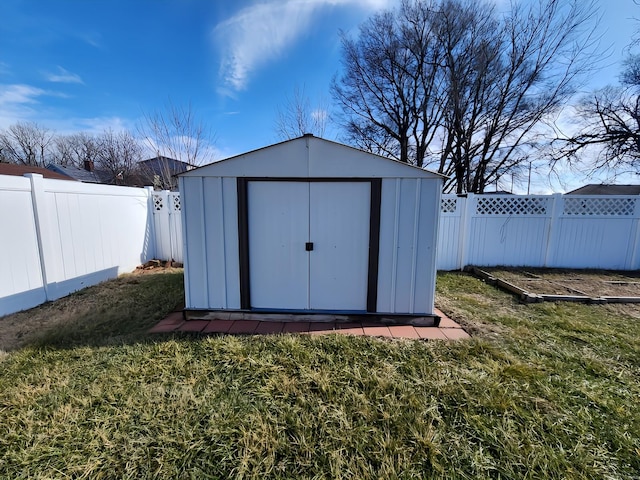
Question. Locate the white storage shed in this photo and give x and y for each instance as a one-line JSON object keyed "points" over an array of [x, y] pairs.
{"points": [[309, 225]]}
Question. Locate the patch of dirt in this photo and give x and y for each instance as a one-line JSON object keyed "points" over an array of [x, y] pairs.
{"points": [[156, 266], [589, 283]]}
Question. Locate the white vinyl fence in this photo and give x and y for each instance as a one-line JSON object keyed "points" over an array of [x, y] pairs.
{"points": [[570, 231], [167, 223], [59, 236]]}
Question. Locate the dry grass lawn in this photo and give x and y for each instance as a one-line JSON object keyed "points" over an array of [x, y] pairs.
{"points": [[541, 391]]}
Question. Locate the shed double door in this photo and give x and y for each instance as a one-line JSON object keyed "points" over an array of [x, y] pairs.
{"points": [[308, 244]]}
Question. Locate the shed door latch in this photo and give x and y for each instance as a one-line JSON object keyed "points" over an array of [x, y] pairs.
{"points": [[308, 246]]}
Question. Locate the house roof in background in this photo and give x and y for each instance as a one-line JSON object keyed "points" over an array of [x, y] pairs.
{"points": [[20, 170], [82, 175], [159, 163], [602, 189]]}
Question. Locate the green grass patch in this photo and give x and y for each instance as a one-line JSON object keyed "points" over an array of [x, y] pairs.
{"points": [[541, 391]]}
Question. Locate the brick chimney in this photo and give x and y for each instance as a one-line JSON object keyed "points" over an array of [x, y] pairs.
{"points": [[88, 165]]}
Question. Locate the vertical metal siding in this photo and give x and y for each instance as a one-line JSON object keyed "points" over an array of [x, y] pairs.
{"points": [[211, 242], [405, 246], [232, 256], [414, 253], [387, 260], [408, 239], [221, 240], [214, 261], [426, 241], [182, 182], [193, 208]]}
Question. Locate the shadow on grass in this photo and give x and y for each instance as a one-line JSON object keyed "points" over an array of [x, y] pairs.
{"points": [[115, 312]]}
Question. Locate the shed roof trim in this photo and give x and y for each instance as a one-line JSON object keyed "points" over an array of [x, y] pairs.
{"points": [[309, 157]]}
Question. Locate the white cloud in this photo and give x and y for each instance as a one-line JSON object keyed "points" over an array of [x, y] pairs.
{"points": [[93, 38], [95, 125], [259, 33], [21, 103], [63, 76], [17, 94], [17, 103]]}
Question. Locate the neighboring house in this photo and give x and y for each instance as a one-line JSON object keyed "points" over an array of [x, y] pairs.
{"points": [[600, 189], [20, 170], [161, 171], [88, 174]]}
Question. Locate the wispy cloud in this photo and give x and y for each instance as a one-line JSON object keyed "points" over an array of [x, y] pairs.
{"points": [[26, 103], [259, 33], [11, 95], [91, 38], [64, 76], [17, 103]]}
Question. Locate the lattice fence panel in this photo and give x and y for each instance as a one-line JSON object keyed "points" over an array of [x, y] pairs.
{"points": [[599, 206], [511, 205], [158, 203], [176, 202], [448, 205]]}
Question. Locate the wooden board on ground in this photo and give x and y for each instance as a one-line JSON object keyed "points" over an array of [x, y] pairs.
{"points": [[573, 284]]}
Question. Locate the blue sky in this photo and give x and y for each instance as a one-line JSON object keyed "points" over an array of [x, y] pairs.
{"points": [[90, 65]]}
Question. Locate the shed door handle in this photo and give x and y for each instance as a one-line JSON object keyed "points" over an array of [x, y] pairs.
{"points": [[308, 246]]}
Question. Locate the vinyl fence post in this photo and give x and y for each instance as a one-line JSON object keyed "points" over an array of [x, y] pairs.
{"points": [[168, 202], [556, 210], [40, 216], [633, 264], [468, 205], [151, 225]]}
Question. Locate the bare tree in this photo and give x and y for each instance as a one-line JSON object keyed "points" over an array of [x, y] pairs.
{"points": [[76, 149], [390, 92], [296, 117], [26, 144], [119, 154], [452, 85], [612, 131], [609, 135], [175, 134]]}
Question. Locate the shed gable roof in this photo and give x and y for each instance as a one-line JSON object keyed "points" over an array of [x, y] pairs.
{"points": [[310, 157]]}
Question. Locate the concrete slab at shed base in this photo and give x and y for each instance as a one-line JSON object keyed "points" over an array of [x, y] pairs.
{"points": [[222, 324], [312, 317]]}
